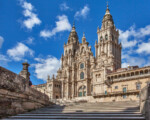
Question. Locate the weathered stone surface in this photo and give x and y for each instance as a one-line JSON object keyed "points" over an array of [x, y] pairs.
{"points": [[16, 96], [11, 81], [145, 102]]}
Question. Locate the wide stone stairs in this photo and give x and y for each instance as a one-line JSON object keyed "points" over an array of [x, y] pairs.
{"points": [[81, 111]]}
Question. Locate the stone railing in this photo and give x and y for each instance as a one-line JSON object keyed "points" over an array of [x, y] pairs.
{"points": [[16, 96], [115, 93], [120, 79], [145, 102]]}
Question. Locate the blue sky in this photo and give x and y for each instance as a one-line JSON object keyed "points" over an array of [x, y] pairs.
{"points": [[35, 31]]}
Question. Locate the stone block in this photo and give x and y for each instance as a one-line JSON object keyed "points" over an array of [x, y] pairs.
{"points": [[28, 105]]}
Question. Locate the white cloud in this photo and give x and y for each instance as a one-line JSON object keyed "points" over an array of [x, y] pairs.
{"points": [[1, 41], [64, 7], [83, 12], [45, 67], [133, 61], [19, 52], [131, 37], [30, 40], [4, 60], [32, 18], [144, 48], [61, 25]]}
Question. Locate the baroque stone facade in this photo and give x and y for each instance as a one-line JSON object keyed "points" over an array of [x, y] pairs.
{"points": [[83, 76]]}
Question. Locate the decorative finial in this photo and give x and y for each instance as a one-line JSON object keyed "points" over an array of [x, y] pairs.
{"points": [[73, 27], [53, 76], [107, 5], [48, 77], [83, 34], [73, 23]]}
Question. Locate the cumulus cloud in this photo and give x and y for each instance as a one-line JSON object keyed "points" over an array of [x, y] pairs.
{"points": [[131, 37], [19, 52], [4, 60], [135, 46], [83, 12], [133, 61], [144, 48], [1, 41], [64, 7], [45, 67], [61, 25], [30, 40], [28, 12]]}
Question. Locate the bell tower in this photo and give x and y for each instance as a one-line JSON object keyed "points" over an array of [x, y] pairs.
{"points": [[70, 47], [108, 44]]}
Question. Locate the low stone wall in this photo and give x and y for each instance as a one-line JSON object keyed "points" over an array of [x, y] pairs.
{"points": [[145, 101], [16, 96]]}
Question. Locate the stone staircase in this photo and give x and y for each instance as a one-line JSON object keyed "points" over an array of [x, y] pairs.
{"points": [[81, 111]]}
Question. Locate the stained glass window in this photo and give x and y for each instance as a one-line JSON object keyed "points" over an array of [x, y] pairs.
{"points": [[81, 65], [82, 75]]}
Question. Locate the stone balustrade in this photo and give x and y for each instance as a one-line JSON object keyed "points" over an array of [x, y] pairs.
{"points": [[16, 96]]}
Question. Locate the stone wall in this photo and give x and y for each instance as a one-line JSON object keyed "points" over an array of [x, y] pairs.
{"points": [[145, 102], [16, 96]]}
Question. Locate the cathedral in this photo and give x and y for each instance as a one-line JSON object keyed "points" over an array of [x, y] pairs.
{"points": [[83, 76]]}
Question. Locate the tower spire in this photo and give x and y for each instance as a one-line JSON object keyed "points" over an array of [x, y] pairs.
{"points": [[107, 10], [107, 5]]}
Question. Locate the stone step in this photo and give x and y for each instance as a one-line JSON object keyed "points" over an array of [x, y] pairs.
{"points": [[84, 114], [124, 112], [94, 110], [76, 117], [90, 111]]}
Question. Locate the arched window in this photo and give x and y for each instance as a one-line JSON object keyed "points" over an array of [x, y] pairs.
{"points": [[82, 75], [101, 38], [106, 37], [66, 52], [82, 91], [81, 65]]}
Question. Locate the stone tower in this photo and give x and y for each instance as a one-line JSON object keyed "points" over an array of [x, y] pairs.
{"points": [[108, 48], [25, 73], [71, 47]]}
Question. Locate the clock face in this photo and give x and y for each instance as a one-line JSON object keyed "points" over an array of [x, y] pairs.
{"points": [[81, 65]]}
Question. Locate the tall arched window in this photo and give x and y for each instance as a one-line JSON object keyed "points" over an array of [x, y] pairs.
{"points": [[82, 91], [81, 65], [101, 38], [82, 75], [106, 37]]}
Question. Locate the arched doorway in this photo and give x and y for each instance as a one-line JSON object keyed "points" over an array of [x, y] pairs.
{"points": [[82, 91]]}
